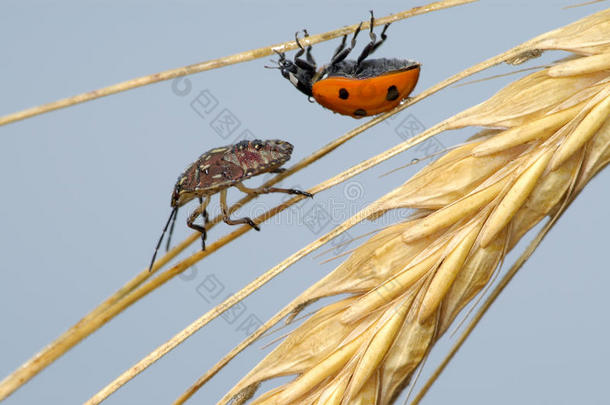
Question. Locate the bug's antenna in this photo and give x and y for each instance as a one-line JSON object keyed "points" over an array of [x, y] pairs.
{"points": [[275, 62], [171, 232], [172, 215]]}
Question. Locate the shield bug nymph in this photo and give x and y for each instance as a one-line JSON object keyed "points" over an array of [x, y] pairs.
{"points": [[217, 170]]}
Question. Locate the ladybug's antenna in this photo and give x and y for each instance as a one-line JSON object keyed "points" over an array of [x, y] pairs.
{"points": [[171, 215], [277, 62]]}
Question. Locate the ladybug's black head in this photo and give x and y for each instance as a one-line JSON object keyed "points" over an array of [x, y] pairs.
{"points": [[301, 78]]}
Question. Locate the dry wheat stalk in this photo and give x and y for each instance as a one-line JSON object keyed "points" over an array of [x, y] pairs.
{"points": [[218, 63], [409, 282], [141, 285]]}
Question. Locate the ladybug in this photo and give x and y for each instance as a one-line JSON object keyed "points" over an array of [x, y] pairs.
{"points": [[358, 88]]}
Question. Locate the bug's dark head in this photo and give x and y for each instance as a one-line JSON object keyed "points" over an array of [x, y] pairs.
{"points": [[176, 196], [271, 154], [300, 78], [282, 149], [180, 195]]}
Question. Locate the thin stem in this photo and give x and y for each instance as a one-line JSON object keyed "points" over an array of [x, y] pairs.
{"points": [[82, 328], [216, 311], [586, 3], [75, 334], [78, 332], [351, 172], [180, 337], [261, 280], [218, 63]]}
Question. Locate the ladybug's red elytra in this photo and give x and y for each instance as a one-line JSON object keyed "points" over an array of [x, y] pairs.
{"points": [[357, 88]]}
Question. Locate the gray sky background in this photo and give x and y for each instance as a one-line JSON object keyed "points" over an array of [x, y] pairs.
{"points": [[86, 191]]}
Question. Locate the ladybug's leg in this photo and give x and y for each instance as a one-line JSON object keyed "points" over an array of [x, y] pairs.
{"points": [[200, 210], [225, 213], [267, 190], [309, 64], [281, 55], [301, 49], [383, 37], [308, 55], [340, 47], [341, 52], [374, 44]]}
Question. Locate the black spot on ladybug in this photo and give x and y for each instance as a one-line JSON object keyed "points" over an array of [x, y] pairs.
{"points": [[343, 94], [360, 113], [392, 93]]}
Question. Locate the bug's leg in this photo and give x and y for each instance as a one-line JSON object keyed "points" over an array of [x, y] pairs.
{"points": [[281, 56], [383, 37], [200, 210], [308, 64], [204, 214], [172, 215], [342, 52], [278, 170], [339, 48], [203, 204], [308, 55], [267, 190], [374, 44], [190, 223], [301, 50], [225, 213]]}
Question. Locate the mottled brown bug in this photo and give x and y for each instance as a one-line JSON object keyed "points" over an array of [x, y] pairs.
{"points": [[217, 170]]}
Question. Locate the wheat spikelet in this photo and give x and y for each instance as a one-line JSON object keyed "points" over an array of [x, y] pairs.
{"points": [[409, 282]]}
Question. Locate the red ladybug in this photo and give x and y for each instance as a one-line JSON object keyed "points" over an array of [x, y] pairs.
{"points": [[357, 88]]}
